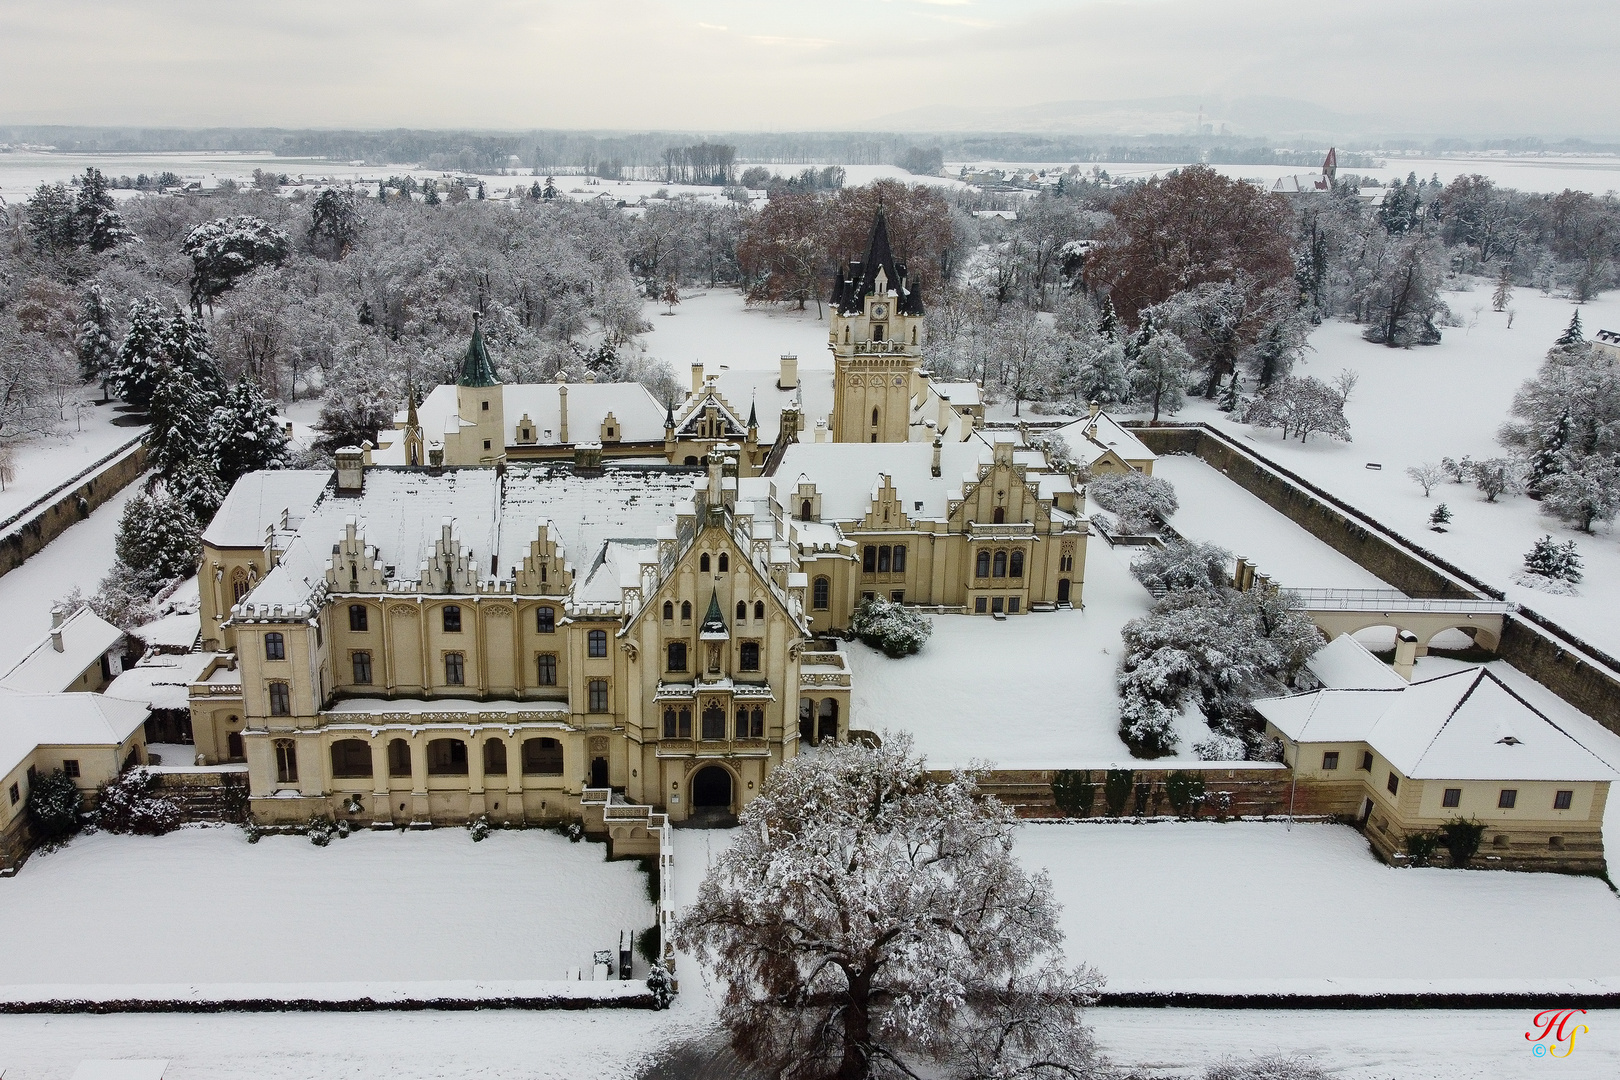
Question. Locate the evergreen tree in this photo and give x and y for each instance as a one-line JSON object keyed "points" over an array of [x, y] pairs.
{"points": [[97, 354], [228, 248], [535, 193], [144, 349], [197, 487], [550, 190], [100, 225], [1572, 336], [430, 194], [157, 542], [244, 434], [180, 410], [191, 350], [382, 192], [1504, 290], [1402, 207], [1548, 459], [1551, 559], [334, 222], [1107, 321], [1440, 518], [54, 803], [1159, 366], [51, 221], [481, 193]]}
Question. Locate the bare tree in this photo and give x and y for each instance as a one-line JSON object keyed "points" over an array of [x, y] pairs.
{"points": [[1427, 476]]}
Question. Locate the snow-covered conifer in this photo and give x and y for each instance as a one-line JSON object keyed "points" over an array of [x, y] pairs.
{"points": [[244, 435], [157, 542], [50, 219], [1550, 559], [228, 248], [144, 349], [100, 226], [890, 627], [1573, 335], [95, 343]]}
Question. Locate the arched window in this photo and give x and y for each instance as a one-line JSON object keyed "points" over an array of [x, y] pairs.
{"points": [[703, 562], [545, 619], [542, 757], [1001, 565], [875, 414], [725, 562], [742, 611], [846, 335], [286, 761], [351, 759], [239, 584], [669, 610], [399, 758], [691, 459], [748, 656], [914, 335], [877, 335], [677, 656], [981, 566], [669, 722], [447, 757], [759, 611], [275, 646], [714, 721], [804, 510], [494, 757], [999, 517], [452, 619], [686, 611], [1015, 566], [820, 592], [357, 618]]}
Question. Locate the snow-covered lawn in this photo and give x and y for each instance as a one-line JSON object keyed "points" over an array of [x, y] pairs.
{"points": [[716, 327], [1260, 906], [81, 556], [1419, 405], [1218, 511], [204, 906], [1033, 692], [45, 461]]}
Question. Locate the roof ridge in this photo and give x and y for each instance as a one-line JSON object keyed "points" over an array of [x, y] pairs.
{"points": [[1549, 721], [1456, 705]]}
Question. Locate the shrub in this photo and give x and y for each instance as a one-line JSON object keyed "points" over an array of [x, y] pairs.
{"points": [[1461, 838], [1146, 726], [1183, 565], [1117, 788], [1221, 747], [1421, 847], [1074, 792], [1141, 502], [53, 806], [1269, 1067], [1185, 791], [889, 627], [131, 803], [649, 944], [661, 986], [478, 828], [320, 830]]}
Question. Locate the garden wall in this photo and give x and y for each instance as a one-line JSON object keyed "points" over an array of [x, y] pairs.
{"points": [[1252, 790], [42, 521], [1578, 672]]}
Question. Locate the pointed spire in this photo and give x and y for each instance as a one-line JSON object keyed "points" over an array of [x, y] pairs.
{"points": [[476, 369], [669, 415], [713, 621], [411, 420], [753, 415]]}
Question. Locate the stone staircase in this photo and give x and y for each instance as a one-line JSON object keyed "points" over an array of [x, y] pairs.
{"points": [[215, 796]]}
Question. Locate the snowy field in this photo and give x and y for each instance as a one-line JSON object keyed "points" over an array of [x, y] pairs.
{"points": [[1260, 907], [716, 327], [81, 556], [1419, 405], [45, 461], [1033, 692], [1218, 511], [204, 906]]}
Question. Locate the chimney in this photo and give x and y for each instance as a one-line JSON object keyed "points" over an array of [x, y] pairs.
{"points": [[934, 470], [1406, 644], [716, 467], [697, 376], [351, 470], [821, 431], [58, 617], [562, 411], [789, 377], [1095, 409]]}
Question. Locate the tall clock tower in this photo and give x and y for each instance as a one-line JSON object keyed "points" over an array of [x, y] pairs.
{"points": [[876, 340]]}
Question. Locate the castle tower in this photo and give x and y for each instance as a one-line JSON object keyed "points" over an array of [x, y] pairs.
{"points": [[876, 340], [480, 404]]}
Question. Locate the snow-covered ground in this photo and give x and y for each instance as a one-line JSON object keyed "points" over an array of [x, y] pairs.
{"points": [[1033, 692], [204, 906], [1419, 405], [45, 461], [1218, 511], [716, 327], [80, 557], [1261, 906]]}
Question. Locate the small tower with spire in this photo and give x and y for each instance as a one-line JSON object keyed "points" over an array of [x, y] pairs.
{"points": [[480, 404], [876, 339], [414, 452]]}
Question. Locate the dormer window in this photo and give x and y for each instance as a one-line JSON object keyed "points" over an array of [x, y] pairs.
{"points": [[1509, 740]]}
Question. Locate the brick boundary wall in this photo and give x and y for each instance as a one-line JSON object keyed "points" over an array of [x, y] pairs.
{"points": [[53, 514], [1252, 791], [1581, 674]]}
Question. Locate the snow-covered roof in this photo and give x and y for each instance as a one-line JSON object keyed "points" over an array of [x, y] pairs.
{"points": [[29, 721], [161, 681], [756, 389], [175, 633], [1344, 664], [401, 514], [846, 474], [86, 637], [961, 393], [638, 415], [618, 567], [258, 500], [1111, 435], [1467, 725]]}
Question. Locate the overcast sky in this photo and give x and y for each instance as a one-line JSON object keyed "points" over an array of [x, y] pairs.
{"points": [[1543, 67]]}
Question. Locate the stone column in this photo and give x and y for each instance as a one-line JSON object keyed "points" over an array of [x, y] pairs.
{"points": [[421, 808]]}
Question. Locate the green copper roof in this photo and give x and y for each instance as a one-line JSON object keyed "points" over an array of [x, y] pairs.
{"points": [[476, 369], [713, 621]]}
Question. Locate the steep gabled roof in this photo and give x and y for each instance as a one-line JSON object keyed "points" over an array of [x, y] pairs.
{"points": [[853, 286]]}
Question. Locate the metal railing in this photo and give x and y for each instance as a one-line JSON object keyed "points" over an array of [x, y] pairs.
{"points": [[1394, 600]]}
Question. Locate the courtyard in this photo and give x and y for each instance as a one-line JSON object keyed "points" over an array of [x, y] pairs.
{"points": [[205, 909]]}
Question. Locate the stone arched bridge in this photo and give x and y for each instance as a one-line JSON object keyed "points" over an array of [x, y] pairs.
{"points": [[1345, 611]]}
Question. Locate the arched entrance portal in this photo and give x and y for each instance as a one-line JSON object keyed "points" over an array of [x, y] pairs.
{"points": [[711, 789], [1063, 590]]}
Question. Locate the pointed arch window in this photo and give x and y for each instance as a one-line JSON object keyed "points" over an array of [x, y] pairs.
{"points": [[742, 611], [703, 562], [804, 510], [982, 565], [669, 610], [725, 562], [759, 611], [686, 611], [999, 517], [874, 417]]}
